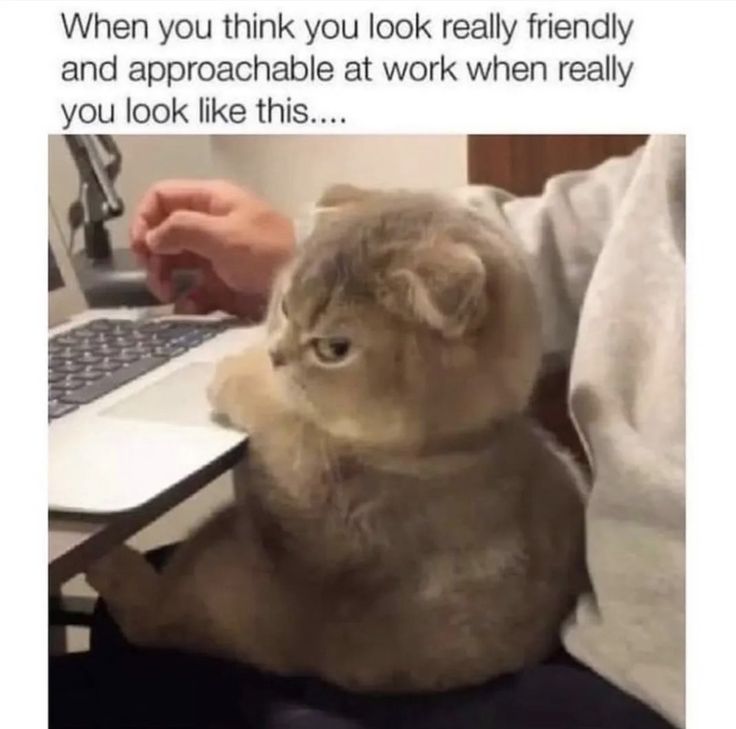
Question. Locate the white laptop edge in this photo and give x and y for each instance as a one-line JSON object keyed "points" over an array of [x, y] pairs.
{"points": [[101, 464]]}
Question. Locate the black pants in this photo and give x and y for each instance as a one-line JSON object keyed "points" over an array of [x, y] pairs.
{"points": [[117, 686]]}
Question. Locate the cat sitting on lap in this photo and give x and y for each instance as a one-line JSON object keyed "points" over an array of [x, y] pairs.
{"points": [[399, 525]]}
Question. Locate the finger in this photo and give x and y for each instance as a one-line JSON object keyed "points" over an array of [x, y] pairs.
{"points": [[204, 299], [158, 284], [149, 213], [188, 305], [184, 306], [162, 199], [208, 294], [200, 299], [187, 230], [161, 271], [166, 196]]}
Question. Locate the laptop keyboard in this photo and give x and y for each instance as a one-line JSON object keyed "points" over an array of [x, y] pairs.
{"points": [[94, 359]]}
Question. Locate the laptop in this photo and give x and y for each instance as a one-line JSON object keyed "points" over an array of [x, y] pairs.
{"points": [[128, 412]]}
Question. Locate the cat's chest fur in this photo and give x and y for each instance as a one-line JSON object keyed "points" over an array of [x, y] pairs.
{"points": [[386, 518], [397, 553]]}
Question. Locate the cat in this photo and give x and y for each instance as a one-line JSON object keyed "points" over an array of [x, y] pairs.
{"points": [[398, 524]]}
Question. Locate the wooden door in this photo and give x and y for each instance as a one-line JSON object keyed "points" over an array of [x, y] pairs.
{"points": [[520, 163]]}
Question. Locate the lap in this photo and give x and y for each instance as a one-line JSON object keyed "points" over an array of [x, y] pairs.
{"points": [[117, 685]]}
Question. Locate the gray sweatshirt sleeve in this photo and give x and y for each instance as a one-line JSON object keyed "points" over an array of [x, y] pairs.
{"points": [[563, 231]]}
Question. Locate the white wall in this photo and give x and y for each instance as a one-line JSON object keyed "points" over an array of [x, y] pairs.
{"points": [[292, 171], [289, 171]]}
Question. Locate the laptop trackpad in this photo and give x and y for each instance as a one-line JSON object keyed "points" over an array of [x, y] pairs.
{"points": [[178, 399]]}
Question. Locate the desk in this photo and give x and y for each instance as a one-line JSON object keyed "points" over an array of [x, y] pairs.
{"points": [[81, 539]]}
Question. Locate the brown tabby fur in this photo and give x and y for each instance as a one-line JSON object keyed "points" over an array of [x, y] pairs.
{"points": [[398, 524]]}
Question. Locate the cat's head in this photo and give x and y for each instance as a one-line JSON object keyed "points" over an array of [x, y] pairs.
{"points": [[403, 320]]}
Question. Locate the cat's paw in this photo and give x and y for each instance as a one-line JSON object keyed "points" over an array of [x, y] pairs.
{"points": [[223, 388], [117, 571], [242, 388], [129, 586]]}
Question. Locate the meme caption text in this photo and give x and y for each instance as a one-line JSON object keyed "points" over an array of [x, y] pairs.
{"points": [[256, 67]]}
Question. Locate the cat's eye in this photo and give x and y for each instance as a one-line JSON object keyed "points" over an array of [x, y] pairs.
{"points": [[331, 350], [284, 309]]}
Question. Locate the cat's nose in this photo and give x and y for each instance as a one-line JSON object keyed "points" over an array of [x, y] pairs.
{"points": [[277, 357]]}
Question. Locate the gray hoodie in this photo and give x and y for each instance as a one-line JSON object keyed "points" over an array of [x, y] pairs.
{"points": [[608, 252]]}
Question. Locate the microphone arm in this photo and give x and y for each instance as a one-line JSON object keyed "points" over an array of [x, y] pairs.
{"points": [[99, 201]]}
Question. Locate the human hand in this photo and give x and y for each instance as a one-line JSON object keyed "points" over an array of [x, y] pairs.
{"points": [[233, 240]]}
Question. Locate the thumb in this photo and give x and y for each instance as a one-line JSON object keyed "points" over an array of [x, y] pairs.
{"points": [[187, 230], [195, 302]]}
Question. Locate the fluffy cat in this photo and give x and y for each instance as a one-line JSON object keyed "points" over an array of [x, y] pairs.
{"points": [[398, 524]]}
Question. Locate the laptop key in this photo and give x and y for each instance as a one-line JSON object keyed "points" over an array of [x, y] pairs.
{"points": [[102, 349], [114, 380], [68, 352], [67, 367], [101, 325], [108, 365], [90, 375], [188, 340], [57, 409], [128, 355], [83, 337], [169, 351], [64, 340], [88, 358], [72, 383]]}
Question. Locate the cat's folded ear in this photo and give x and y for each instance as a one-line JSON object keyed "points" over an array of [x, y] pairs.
{"points": [[442, 286], [339, 195], [335, 200]]}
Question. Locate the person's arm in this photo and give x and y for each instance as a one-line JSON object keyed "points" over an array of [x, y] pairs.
{"points": [[562, 230]]}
